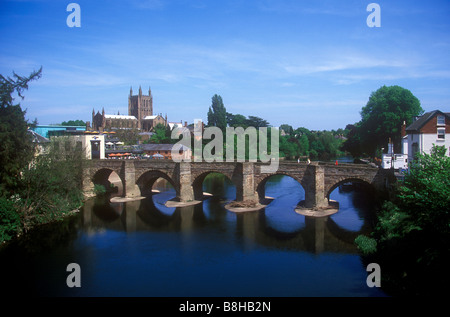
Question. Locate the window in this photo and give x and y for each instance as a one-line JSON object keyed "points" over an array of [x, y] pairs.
{"points": [[441, 134], [441, 120], [415, 148]]}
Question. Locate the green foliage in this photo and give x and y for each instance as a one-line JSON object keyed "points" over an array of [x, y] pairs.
{"points": [[162, 135], [382, 118], [51, 185], [9, 220], [412, 233], [236, 120], [74, 123], [422, 202], [217, 114], [426, 191], [286, 128], [33, 189], [99, 190], [257, 122], [16, 148], [316, 145], [128, 136], [366, 244]]}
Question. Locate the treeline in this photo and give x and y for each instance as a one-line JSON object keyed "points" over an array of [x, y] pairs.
{"points": [[293, 144], [316, 145], [34, 188]]}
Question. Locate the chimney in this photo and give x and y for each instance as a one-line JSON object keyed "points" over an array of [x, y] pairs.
{"points": [[403, 130]]}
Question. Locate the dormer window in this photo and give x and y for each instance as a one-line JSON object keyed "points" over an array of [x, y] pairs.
{"points": [[441, 120]]}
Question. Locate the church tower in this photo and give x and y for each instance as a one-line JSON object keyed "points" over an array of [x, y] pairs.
{"points": [[140, 105]]}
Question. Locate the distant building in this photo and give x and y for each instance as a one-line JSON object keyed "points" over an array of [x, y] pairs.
{"points": [[39, 141], [164, 151], [92, 144], [48, 131], [140, 115], [432, 128]]}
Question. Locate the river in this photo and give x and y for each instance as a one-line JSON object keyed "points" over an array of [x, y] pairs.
{"points": [[143, 248]]}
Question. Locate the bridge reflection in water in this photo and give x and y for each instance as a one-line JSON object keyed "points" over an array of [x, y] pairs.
{"points": [[252, 229]]}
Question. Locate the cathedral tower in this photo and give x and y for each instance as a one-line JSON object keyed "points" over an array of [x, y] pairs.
{"points": [[140, 105]]}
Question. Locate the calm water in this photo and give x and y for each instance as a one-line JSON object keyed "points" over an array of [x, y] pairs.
{"points": [[143, 248]]}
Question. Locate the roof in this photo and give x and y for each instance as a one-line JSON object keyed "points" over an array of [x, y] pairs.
{"points": [[37, 138], [160, 147], [152, 117], [422, 120], [118, 116]]}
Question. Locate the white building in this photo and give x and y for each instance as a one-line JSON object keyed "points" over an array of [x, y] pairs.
{"points": [[92, 143], [432, 128], [395, 161]]}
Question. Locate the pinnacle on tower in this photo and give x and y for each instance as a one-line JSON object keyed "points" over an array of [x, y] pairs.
{"points": [[140, 91], [131, 91]]}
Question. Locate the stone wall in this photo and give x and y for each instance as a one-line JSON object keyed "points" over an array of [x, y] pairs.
{"points": [[317, 179]]}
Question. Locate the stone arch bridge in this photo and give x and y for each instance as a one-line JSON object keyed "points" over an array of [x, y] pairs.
{"points": [[318, 179]]}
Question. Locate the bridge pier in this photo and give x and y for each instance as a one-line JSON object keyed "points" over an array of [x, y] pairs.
{"points": [[315, 190], [245, 185], [131, 190], [186, 191]]}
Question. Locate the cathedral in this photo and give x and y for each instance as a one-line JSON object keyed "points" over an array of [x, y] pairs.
{"points": [[140, 115]]}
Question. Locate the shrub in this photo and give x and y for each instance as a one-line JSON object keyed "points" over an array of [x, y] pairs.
{"points": [[99, 190], [9, 220], [366, 244]]}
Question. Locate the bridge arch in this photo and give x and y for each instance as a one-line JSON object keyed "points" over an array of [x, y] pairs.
{"points": [[260, 185], [110, 179], [146, 181], [365, 182], [197, 183]]}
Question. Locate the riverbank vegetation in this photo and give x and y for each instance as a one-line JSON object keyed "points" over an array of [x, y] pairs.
{"points": [[411, 240], [39, 183]]}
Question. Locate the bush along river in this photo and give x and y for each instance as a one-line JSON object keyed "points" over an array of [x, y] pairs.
{"points": [[143, 248]]}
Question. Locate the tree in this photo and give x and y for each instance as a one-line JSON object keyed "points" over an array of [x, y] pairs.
{"points": [[128, 136], [73, 123], [162, 134], [16, 147], [411, 239], [382, 119], [217, 114], [236, 120], [51, 185], [257, 122], [286, 128]]}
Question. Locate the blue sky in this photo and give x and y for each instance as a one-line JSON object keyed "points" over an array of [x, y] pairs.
{"points": [[311, 63]]}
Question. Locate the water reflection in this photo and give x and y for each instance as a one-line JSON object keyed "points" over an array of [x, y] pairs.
{"points": [[277, 226], [143, 248]]}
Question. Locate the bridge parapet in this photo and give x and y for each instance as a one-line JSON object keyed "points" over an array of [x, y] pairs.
{"points": [[318, 179]]}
